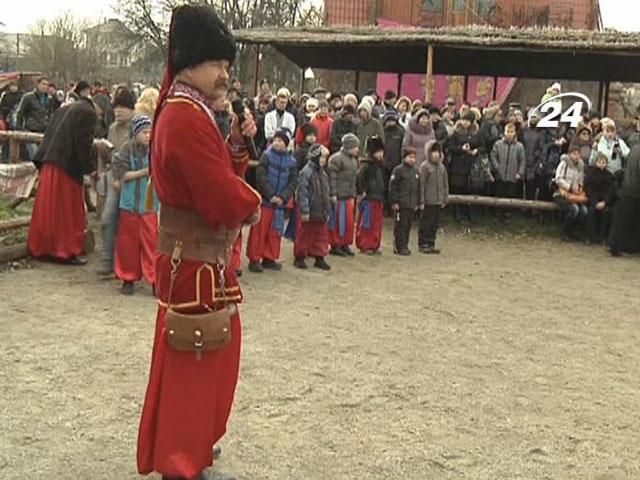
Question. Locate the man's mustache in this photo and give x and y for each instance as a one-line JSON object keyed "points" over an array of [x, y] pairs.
{"points": [[222, 84]]}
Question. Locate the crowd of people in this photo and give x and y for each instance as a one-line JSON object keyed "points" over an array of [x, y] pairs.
{"points": [[332, 166]]}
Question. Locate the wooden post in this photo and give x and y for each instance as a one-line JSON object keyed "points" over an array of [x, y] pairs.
{"points": [[14, 150], [399, 92], [495, 88], [256, 72], [600, 95], [357, 82], [605, 109], [429, 77], [466, 89], [302, 81]]}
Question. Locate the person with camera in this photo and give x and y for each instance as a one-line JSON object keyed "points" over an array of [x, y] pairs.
{"points": [[615, 149]]}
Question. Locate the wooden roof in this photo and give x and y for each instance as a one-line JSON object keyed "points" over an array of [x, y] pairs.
{"points": [[473, 50]]}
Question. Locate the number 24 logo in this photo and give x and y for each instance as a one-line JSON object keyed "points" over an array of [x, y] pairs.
{"points": [[553, 108]]}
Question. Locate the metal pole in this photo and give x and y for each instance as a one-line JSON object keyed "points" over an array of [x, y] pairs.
{"points": [[256, 72], [429, 76]]}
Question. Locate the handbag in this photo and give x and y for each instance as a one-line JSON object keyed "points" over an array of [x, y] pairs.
{"points": [[197, 332]]}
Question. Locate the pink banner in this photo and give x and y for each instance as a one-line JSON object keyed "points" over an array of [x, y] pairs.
{"points": [[479, 88]]}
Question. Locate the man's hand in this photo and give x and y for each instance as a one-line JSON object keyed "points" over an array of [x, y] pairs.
{"points": [[601, 205], [247, 129], [304, 218]]}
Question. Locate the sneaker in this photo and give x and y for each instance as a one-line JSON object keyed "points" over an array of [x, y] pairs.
{"points": [[127, 288], [338, 252], [77, 261], [322, 264], [300, 263], [255, 267], [271, 265], [348, 252]]}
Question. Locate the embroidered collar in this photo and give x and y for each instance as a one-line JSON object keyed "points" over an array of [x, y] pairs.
{"points": [[182, 89]]}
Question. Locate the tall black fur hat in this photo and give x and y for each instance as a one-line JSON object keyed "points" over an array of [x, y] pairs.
{"points": [[199, 35]]}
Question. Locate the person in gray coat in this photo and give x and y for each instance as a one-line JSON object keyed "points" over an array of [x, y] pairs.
{"points": [[434, 185], [343, 173], [509, 162]]}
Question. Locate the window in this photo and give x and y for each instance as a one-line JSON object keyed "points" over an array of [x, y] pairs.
{"points": [[433, 6]]}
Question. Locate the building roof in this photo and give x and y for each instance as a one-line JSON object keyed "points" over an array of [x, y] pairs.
{"points": [[472, 50]]}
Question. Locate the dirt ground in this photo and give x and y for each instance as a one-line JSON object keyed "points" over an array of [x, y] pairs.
{"points": [[503, 358]]}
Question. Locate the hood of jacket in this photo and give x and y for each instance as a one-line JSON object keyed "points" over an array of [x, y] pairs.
{"points": [[472, 130]]}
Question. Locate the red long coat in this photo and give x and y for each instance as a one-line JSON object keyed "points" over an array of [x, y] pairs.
{"points": [[188, 403]]}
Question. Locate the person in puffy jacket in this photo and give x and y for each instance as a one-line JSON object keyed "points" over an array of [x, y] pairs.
{"points": [[345, 122], [419, 132], [313, 206], [464, 147], [434, 196], [343, 171], [404, 195], [509, 164], [371, 191], [600, 186], [276, 178]]}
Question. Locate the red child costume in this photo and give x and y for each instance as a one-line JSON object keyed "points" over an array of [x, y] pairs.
{"points": [[371, 187], [58, 219], [189, 399]]}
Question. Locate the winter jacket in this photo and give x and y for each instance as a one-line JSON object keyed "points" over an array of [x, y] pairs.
{"points": [[533, 147], [68, 140], [631, 184], [343, 172], [339, 129], [441, 133], [8, 102], [404, 186], [434, 182], [119, 134], [600, 186], [417, 137], [312, 194], [489, 134], [508, 160], [276, 175], [460, 162], [570, 176], [275, 120], [605, 146], [393, 137], [368, 129], [301, 155], [370, 181], [34, 112], [324, 126], [131, 158]]}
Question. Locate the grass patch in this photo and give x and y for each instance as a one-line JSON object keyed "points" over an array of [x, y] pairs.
{"points": [[18, 235]]}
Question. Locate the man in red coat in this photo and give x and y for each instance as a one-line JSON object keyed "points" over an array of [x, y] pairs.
{"points": [[204, 203]]}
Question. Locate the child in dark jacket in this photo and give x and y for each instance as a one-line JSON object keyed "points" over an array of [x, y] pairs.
{"points": [[600, 186], [371, 187], [310, 134], [313, 206], [434, 196], [277, 178], [404, 196]]}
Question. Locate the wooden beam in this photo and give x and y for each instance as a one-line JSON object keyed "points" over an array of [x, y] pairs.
{"points": [[495, 88], [13, 252], [357, 82], [302, 82], [501, 202], [600, 96], [466, 89], [399, 85], [429, 76], [15, 223]]}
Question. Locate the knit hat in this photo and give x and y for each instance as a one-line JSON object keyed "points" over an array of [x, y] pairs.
{"points": [[556, 86], [197, 35], [284, 134], [370, 100], [350, 141], [312, 102], [124, 98], [366, 106], [140, 123], [82, 85], [350, 98], [334, 96], [314, 153], [308, 129], [408, 150], [389, 116], [374, 144], [421, 113], [323, 103], [469, 115]]}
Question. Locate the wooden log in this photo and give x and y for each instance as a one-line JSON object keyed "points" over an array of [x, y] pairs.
{"points": [[15, 223], [22, 137], [501, 202], [13, 252], [429, 75]]}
